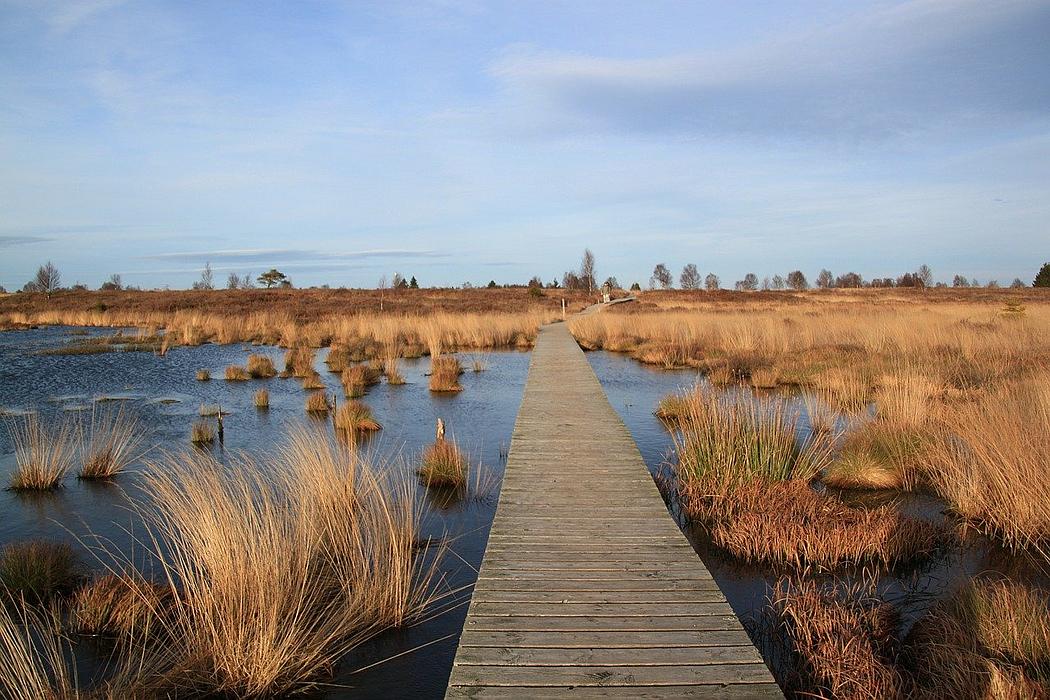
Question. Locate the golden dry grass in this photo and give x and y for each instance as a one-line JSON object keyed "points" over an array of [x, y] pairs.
{"points": [[355, 417], [44, 453], [990, 459], [277, 571], [443, 464], [357, 378], [261, 398], [317, 402], [203, 375], [299, 361], [236, 373], [444, 373], [202, 433], [35, 654], [261, 367], [120, 605], [313, 381], [114, 442]]}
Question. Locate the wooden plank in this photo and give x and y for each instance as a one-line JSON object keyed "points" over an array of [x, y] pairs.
{"points": [[588, 587]]}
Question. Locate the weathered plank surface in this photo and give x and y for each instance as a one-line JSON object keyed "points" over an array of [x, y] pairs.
{"points": [[587, 587]]}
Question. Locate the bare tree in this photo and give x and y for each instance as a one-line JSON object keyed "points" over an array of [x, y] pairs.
{"points": [[925, 275], [749, 283], [711, 282], [797, 281], [47, 279], [661, 276], [825, 279], [247, 282], [611, 283], [381, 286], [207, 280], [112, 284], [690, 278], [233, 281], [587, 271], [778, 282]]}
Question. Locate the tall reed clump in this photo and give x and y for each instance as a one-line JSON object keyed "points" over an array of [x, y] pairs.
{"points": [[744, 475], [261, 367], [203, 375], [281, 570], [236, 373], [444, 373], [113, 443], [262, 398], [44, 454], [37, 570], [355, 417], [299, 361], [732, 441], [390, 369], [443, 464], [990, 640], [990, 461]]}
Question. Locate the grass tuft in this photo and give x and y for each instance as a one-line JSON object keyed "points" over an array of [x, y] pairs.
{"points": [[444, 373], [122, 606], [202, 433], [355, 417], [236, 373], [299, 361], [443, 465], [114, 442], [38, 570], [203, 375], [317, 402], [44, 454], [262, 398], [261, 367]]}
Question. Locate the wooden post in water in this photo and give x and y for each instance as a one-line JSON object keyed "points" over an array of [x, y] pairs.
{"points": [[218, 416]]}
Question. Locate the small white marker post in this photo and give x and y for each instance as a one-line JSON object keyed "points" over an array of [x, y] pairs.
{"points": [[563, 309]]}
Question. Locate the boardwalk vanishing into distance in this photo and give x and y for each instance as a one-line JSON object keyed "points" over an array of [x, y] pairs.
{"points": [[588, 587]]}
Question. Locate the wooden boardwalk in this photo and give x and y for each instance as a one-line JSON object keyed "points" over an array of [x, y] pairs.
{"points": [[588, 587]]}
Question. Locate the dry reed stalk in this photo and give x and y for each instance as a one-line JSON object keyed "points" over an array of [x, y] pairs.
{"points": [[35, 654], [904, 398], [261, 367], [282, 570], [879, 455], [262, 398], [390, 369], [235, 373], [444, 373], [113, 443], [765, 378], [44, 454]]}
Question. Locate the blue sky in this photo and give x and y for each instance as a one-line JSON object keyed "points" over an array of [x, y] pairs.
{"points": [[468, 141]]}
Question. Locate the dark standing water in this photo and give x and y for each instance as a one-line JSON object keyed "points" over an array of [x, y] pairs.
{"points": [[163, 393]]}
